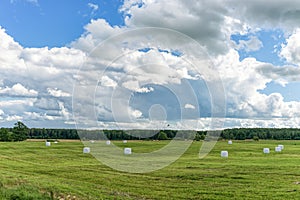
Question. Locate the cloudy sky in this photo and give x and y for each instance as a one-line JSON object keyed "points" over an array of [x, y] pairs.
{"points": [[198, 64]]}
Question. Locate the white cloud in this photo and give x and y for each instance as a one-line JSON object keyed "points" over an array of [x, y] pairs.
{"points": [[108, 82], [253, 44], [243, 96], [96, 32], [32, 77], [94, 7], [18, 90], [46, 103], [136, 113], [291, 51], [277, 14], [13, 118], [281, 75], [57, 93], [145, 89], [184, 16], [189, 106], [131, 85]]}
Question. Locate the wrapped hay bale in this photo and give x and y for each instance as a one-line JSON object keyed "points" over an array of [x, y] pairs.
{"points": [[224, 154], [281, 146], [266, 150], [86, 150], [277, 149], [127, 151]]}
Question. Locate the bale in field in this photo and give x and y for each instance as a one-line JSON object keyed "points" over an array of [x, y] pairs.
{"points": [[127, 151], [86, 150], [224, 154], [266, 150]]}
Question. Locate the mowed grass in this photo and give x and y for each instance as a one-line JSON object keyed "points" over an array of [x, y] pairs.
{"points": [[30, 170]]}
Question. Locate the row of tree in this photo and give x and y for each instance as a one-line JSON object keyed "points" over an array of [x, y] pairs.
{"points": [[21, 132], [261, 133]]}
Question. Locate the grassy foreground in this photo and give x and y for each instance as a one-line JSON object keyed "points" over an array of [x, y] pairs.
{"points": [[30, 170]]}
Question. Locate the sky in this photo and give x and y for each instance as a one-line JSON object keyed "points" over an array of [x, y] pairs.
{"points": [[150, 64]]}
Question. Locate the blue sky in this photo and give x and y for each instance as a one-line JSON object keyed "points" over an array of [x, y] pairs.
{"points": [[54, 23], [91, 63]]}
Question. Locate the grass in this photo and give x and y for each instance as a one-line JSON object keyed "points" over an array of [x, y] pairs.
{"points": [[30, 170]]}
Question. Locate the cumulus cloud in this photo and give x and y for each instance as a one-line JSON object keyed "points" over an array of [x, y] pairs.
{"points": [[96, 32], [32, 77], [244, 98], [46, 103], [18, 90], [282, 74], [188, 17], [291, 50], [136, 113], [57, 93], [108, 82], [145, 89], [189, 106], [277, 14]]}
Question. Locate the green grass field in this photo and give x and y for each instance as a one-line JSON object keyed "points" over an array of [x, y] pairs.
{"points": [[30, 170]]}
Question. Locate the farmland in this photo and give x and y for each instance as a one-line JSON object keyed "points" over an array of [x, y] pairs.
{"points": [[30, 170]]}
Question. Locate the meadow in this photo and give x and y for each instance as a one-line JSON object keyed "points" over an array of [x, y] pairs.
{"points": [[30, 170]]}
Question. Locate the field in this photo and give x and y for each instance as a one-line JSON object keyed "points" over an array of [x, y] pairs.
{"points": [[30, 170]]}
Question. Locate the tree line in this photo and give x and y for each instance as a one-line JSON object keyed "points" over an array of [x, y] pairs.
{"points": [[21, 132]]}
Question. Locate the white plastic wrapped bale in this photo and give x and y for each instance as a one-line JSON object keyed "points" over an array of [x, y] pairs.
{"points": [[266, 150], [92, 141], [127, 151], [108, 142], [230, 142], [124, 141], [55, 142], [86, 150], [48, 144], [224, 154], [281, 146], [277, 149]]}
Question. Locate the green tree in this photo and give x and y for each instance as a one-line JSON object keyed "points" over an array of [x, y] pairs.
{"points": [[240, 135], [162, 136], [4, 135], [20, 131], [197, 137]]}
